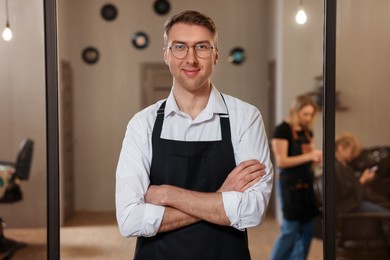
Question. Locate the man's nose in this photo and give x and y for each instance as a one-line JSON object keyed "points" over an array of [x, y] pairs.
{"points": [[191, 55]]}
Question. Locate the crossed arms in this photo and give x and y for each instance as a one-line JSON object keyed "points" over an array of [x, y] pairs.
{"points": [[241, 201], [184, 207]]}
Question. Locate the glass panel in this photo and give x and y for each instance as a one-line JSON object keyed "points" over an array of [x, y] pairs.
{"points": [[104, 80], [23, 132], [300, 53], [362, 77]]}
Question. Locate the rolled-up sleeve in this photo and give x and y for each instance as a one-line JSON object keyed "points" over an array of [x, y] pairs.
{"points": [[134, 216], [248, 209]]}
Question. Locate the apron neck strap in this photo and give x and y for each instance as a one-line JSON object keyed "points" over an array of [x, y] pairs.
{"points": [[223, 117]]}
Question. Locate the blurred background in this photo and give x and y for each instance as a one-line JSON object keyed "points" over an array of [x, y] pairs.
{"points": [[111, 66]]}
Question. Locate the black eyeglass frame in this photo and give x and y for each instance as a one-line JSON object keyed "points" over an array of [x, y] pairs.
{"points": [[212, 47]]}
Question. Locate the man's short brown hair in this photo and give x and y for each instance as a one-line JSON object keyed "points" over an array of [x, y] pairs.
{"points": [[191, 17]]}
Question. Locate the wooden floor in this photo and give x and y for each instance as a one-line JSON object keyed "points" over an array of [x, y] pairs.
{"points": [[96, 236]]}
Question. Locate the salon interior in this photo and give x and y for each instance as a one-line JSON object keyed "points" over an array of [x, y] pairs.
{"points": [[110, 66]]}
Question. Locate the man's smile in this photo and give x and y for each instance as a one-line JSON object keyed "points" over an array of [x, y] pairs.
{"points": [[191, 71]]}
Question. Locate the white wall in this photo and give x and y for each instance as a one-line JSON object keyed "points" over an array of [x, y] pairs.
{"points": [[22, 107], [362, 70], [107, 94], [299, 51]]}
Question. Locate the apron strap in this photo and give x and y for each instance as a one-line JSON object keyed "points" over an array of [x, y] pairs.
{"points": [[223, 117], [159, 122], [225, 125]]}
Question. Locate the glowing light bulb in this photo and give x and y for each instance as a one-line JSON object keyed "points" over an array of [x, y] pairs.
{"points": [[301, 16], [7, 34]]}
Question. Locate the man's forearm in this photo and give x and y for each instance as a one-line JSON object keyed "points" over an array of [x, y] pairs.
{"points": [[205, 206], [185, 207], [174, 219]]}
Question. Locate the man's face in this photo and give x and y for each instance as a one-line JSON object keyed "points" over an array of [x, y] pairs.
{"points": [[190, 73]]}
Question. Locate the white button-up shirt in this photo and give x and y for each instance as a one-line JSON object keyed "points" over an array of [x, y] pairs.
{"points": [[244, 209]]}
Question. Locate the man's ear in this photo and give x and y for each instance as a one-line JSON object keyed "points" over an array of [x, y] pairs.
{"points": [[216, 58], [165, 55]]}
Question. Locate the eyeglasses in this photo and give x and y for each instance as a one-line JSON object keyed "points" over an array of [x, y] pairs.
{"points": [[180, 50]]}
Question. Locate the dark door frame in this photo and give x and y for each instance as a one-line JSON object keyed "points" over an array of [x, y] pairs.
{"points": [[329, 215], [53, 209], [52, 148]]}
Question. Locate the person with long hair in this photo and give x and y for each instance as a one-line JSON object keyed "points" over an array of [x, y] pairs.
{"points": [[350, 193], [294, 152]]}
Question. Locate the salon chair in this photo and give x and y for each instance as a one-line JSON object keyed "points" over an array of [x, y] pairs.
{"points": [[376, 190], [21, 168], [367, 235], [363, 236], [319, 193], [13, 192]]}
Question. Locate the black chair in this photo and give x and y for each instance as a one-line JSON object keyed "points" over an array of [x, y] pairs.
{"points": [[367, 235], [363, 235], [376, 190], [13, 193], [22, 171], [319, 193]]}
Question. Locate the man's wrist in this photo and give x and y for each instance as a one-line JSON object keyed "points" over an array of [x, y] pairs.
{"points": [[169, 192]]}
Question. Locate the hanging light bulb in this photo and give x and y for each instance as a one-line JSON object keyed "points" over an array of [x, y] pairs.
{"points": [[301, 16], [7, 33]]}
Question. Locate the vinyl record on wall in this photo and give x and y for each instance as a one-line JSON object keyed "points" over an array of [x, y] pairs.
{"points": [[140, 40], [161, 7], [109, 12], [90, 55], [237, 56]]}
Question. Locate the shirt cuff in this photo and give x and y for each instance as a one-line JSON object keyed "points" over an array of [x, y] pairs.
{"points": [[153, 216], [231, 201]]}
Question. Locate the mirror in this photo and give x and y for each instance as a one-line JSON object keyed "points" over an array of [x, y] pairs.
{"points": [[97, 100], [22, 116], [362, 65]]}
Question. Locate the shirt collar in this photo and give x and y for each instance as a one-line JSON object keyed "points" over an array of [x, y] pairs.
{"points": [[215, 105]]}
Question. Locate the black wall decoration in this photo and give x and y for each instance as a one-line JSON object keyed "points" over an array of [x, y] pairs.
{"points": [[237, 56], [109, 12], [161, 7], [140, 40], [90, 55]]}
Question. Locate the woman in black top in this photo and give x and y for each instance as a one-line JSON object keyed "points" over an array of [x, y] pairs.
{"points": [[294, 152]]}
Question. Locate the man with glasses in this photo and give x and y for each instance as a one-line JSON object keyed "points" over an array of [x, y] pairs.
{"points": [[194, 170]]}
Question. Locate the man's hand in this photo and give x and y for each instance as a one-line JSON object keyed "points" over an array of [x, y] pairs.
{"points": [[185, 207], [156, 194], [244, 176]]}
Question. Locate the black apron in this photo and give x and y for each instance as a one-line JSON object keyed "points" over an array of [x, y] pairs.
{"points": [[199, 166], [299, 202]]}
